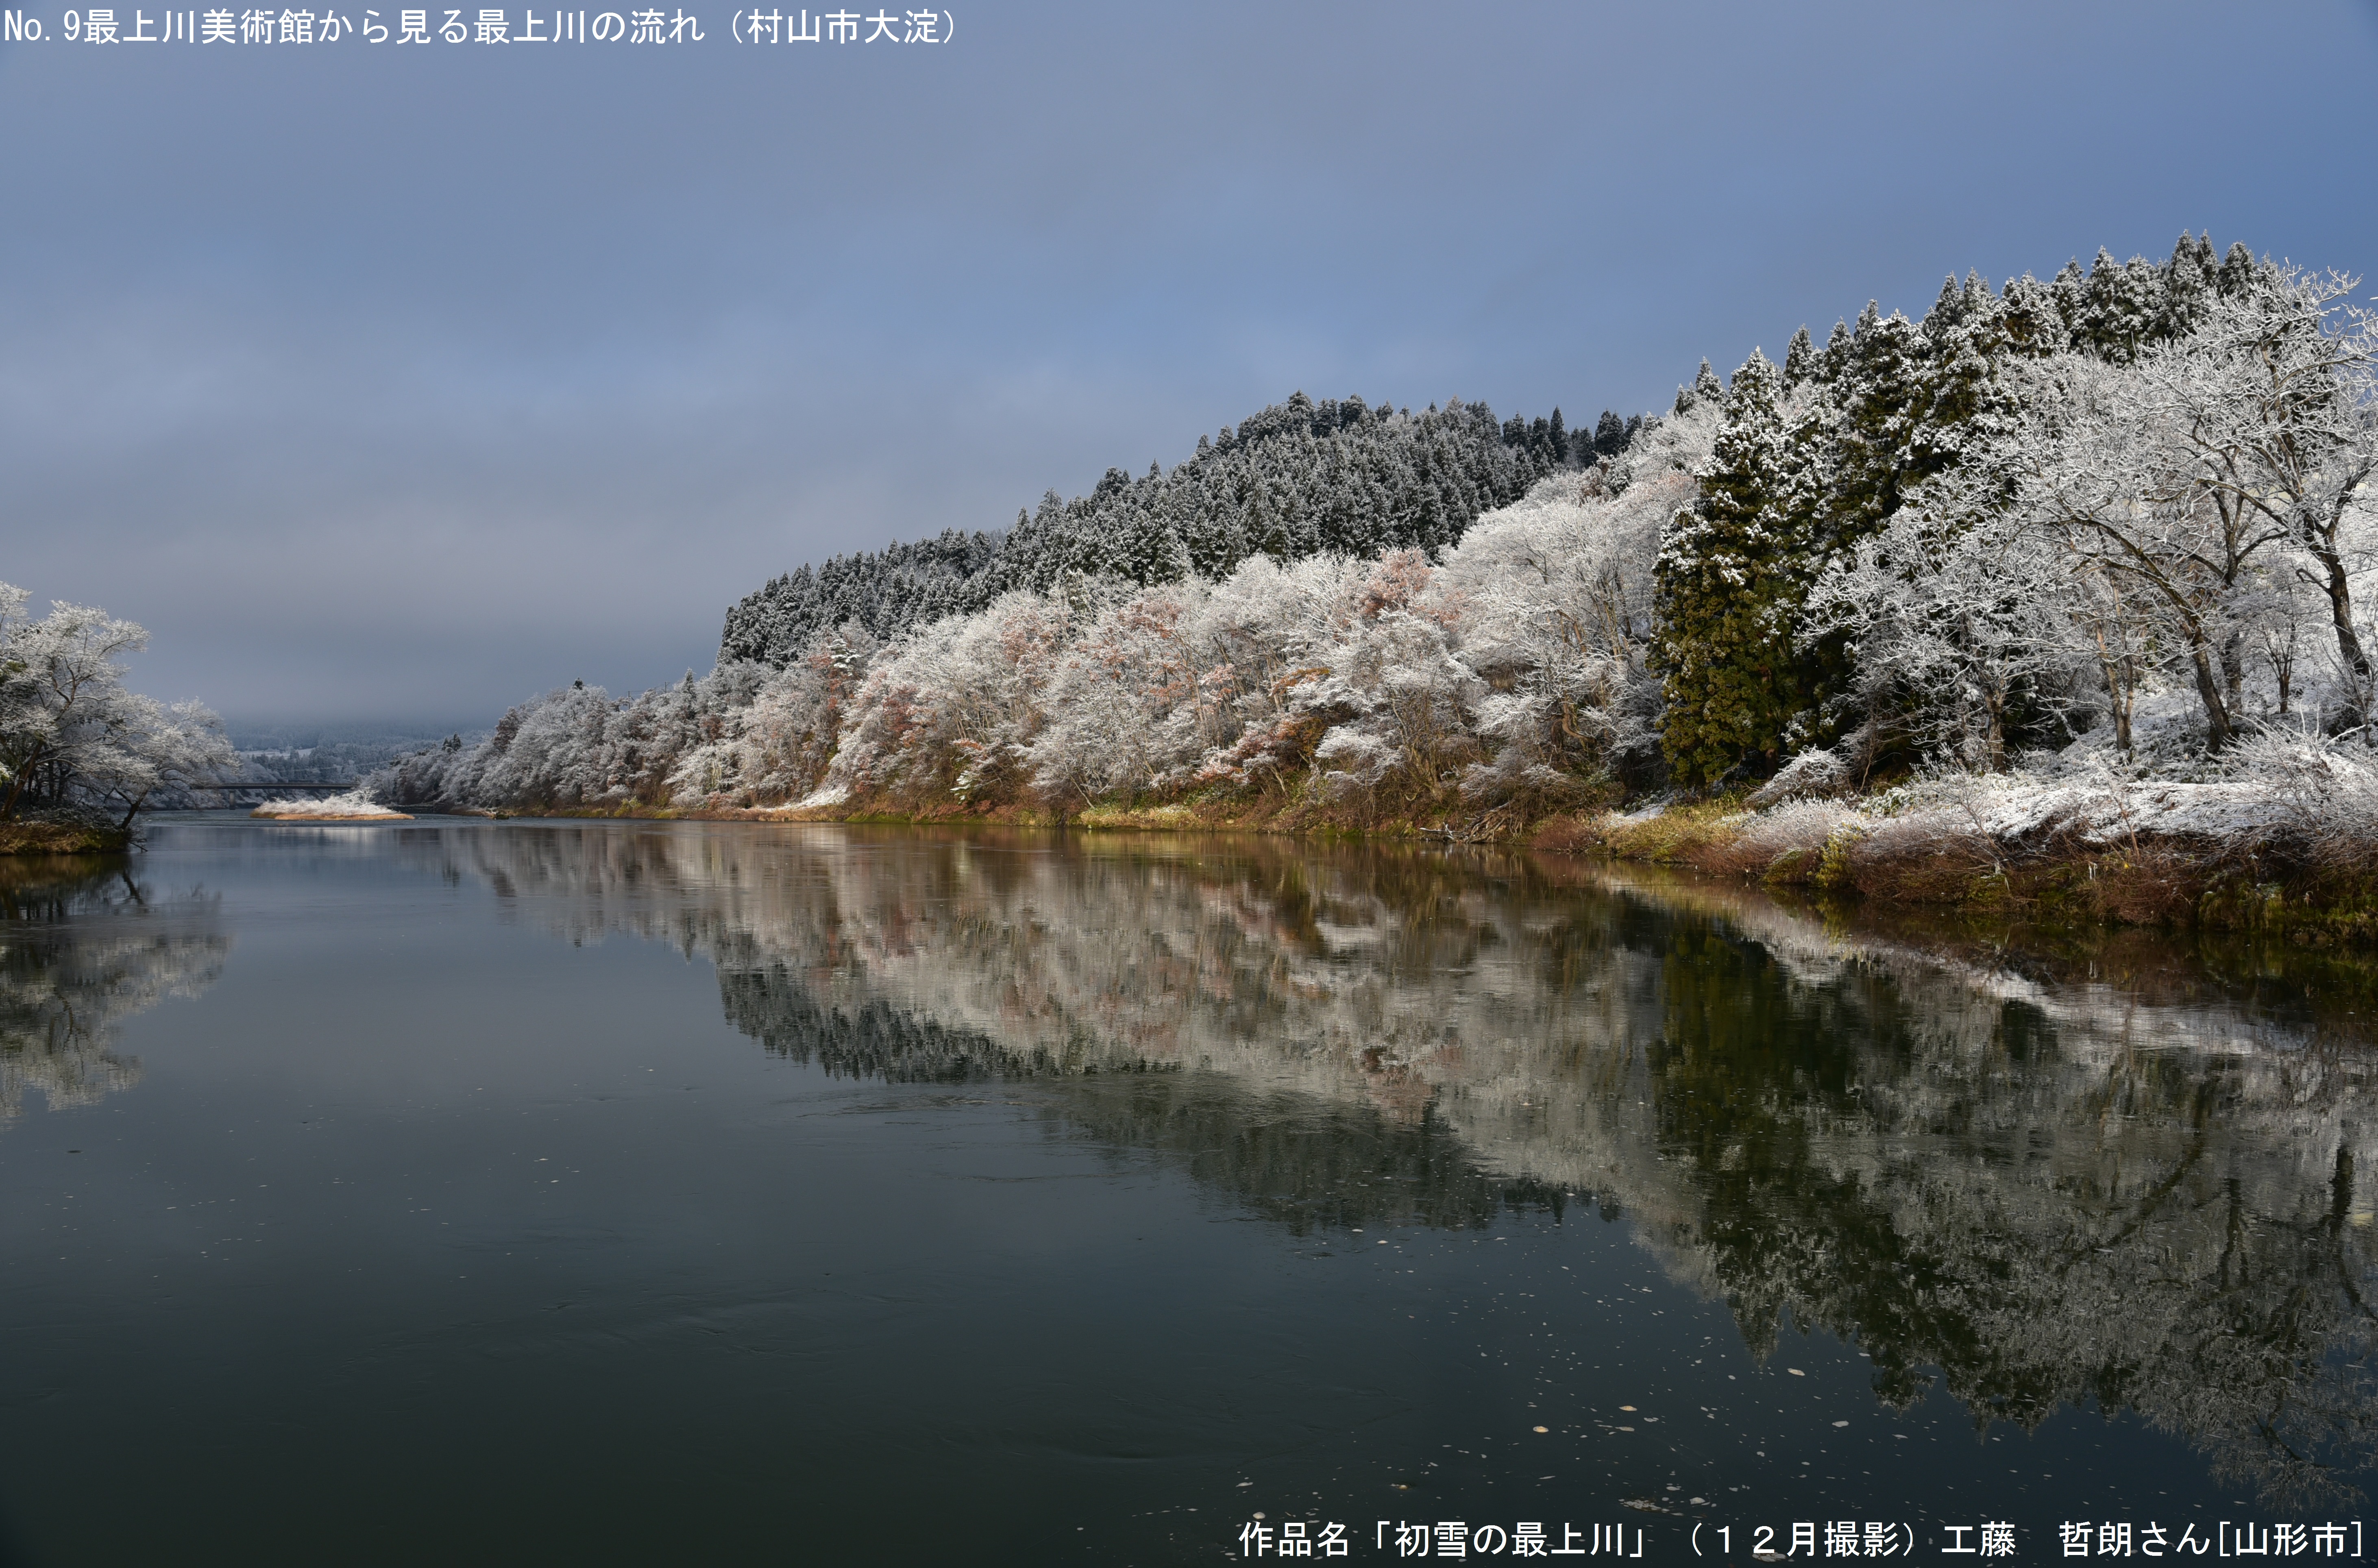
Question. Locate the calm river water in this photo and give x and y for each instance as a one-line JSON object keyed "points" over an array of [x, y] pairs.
{"points": [[634, 1193]]}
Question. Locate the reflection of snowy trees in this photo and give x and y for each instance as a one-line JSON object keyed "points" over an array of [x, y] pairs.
{"points": [[2151, 1195], [78, 955], [2047, 1194]]}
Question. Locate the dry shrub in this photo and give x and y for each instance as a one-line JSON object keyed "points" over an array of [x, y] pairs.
{"points": [[2343, 855], [2150, 882], [1692, 835], [1785, 844], [1716, 836], [59, 838], [1922, 857], [1567, 835]]}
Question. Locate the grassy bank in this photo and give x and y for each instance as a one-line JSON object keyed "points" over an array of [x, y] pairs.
{"points": [[1234, 812], [1993, 851], [61, 838], [2310, 892]]}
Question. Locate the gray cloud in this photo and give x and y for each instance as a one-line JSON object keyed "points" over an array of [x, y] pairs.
{"points": [[401, 384]]}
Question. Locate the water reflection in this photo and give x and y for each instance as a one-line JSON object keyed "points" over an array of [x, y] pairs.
{"points": [[84, 946], [2123, 1175]]}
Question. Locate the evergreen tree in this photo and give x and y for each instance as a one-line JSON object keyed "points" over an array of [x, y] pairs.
{"points": [[1836, 355], [2029, 322], [1731, 578], [2238, 269], [2069, 289], [2192, 279], [1299, 478], [1880, 396], [2120, 306], [1609, 435]]}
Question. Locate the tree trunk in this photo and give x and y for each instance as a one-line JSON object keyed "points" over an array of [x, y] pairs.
{"points": [[2218, 731], [2340, 612], [2233, 674]]}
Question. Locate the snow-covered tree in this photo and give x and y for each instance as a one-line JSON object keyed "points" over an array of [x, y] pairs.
{"points": [[2098, 459], [2274, 423], [1961, 626], [1556, 596], [1733, 574], [1124, 704], [775, 747], [948, 712], [2131, 487], [71, 733], [1301, 478]]}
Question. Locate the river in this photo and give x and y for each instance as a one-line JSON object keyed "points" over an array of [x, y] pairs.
{"points": [[462, 1191]]}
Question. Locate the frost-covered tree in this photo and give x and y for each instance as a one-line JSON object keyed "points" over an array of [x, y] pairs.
{"points": [[951, 709], [1961, 536], [1887, 407], [72, 734], [1299, 478], [2198, 470], [2274, 422], [1125, 700], [2195, 469], [1556, 618], [1959, 621], [776, 746], [1402, 703]]}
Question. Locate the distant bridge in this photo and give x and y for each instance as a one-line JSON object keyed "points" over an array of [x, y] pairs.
{"points": [[248, 788]]}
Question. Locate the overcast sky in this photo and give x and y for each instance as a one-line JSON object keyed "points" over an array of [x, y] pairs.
{"points": [[396, 384]]}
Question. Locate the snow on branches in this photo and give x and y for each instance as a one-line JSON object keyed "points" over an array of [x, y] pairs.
{"points": [[2118, 519], [72, 735]]}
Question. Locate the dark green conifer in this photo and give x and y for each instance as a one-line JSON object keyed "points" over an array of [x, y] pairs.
{"points": [[1948, 307], [2029, 323], [2120, 307], [2069, 287], [1878, 398], [2189, 280], [1731, 577], [1837, 351], [2238, 269]]}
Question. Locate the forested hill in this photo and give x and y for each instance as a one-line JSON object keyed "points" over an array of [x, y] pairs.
{"points": [[1297, 479], [2113, 524]]}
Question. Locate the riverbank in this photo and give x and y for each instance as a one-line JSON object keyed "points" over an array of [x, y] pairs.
{"points": [[1270, 816], [62, 838], [2170, 855], [2281, 858]]}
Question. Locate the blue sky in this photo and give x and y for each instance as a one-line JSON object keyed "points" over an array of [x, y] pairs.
{"points": [[394, 384]]}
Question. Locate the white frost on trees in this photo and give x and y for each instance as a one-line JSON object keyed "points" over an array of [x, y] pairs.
{"points": [[2124, 511], [2180, 520], [71, 733]]}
